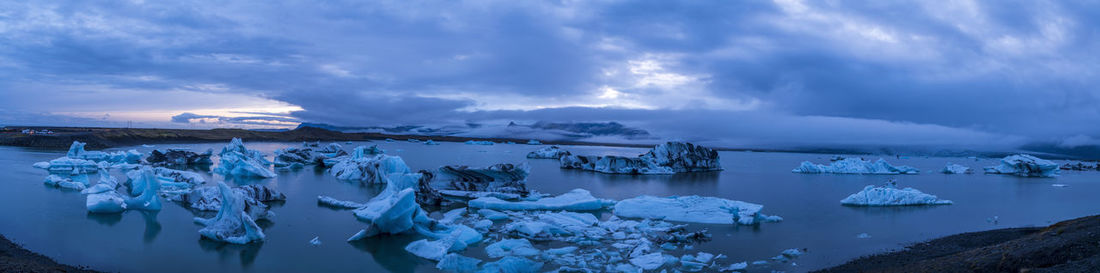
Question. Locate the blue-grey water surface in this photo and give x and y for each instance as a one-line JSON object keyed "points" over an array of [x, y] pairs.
{"points": [[55, 223]]}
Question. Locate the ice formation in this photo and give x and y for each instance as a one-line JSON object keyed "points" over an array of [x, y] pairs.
{"points": [[855, 166], [316, 241], [76, 150], [103, 196], [231, 224], [575, 200], [953, 168], [1080, 166], [77, 180], [479, 142], [534, 142], [369, 168], [511, 247], [890, 195], [512, 264], [458, 263], [549, 152], [210, 199], [693, 209], [335, 203], [506, 179], [430, 142], [667, 158], [146, 188], [304, 156], [236, 160], [176, 157], [1026, 166]]}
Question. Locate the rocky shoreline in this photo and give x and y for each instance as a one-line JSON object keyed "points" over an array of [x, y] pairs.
{"points": [[16, 259], [1067, 246]]}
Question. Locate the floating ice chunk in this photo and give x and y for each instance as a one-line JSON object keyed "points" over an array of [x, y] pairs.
{"points": [[42, 165], [479, 142], [389, 215], [231, 224], [651, 261], [497, 178], [105, 202], [890, 195], [334, 203], [390, 140], [316, 241], [492, 214], [76, 181], [177, 157], [1026, 166], [512, 264], [106, 183], [1059, 185], [149, 185], [236, 160], [695, 209], [613, 164], [735, 267], [511, 247], [855, 166], [68, 165], [430, 142], [457, 263], [863, 236], [209, 199], [534, 142], [695, 263], [667, 158], [952, 168], [431, 250], [575, 200], [371, 169], [549, 152]]}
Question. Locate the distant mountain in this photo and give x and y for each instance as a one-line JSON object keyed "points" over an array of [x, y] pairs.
{"points": [[586, 129]]}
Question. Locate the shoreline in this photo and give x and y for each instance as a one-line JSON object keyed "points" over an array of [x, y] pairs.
{"points": [[1067, 246], [16, 258]]}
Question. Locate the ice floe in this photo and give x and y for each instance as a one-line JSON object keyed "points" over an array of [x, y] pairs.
{"points": [[574, 200], [693, 209], [549, 152], [890, 195], [1026, 166], [458, 263], [335, 203], [855, 166], [953, 168], [231, 224], [430, 142], [667, 158], [368, 168], [236, 160]]}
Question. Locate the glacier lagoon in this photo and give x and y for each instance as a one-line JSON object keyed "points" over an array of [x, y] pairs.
{"points": [[55, 222]]}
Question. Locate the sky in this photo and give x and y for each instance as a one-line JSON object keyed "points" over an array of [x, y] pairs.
{"points": [[738, 73]]}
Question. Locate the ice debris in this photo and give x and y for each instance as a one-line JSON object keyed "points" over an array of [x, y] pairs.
{"points": [[458, 263], [953, 168], [316, 241], [693, 209], [855, 166], [667, 158], [430, 142], [231, 224], [335, 203], [236, 160], [1026, 166], [574, 200], [890, 195], [210, 199], [79, 160], [369, 168], [549, 152], [511, 247]]}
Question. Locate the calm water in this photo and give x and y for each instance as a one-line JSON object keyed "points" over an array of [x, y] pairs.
{"points": [[55, 223]]}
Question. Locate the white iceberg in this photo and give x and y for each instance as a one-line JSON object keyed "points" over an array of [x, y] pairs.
{"points": [[549, 152], [147, 186], [693, 209], [855, 166], [1026, 166], [231, 224], [890, 195], [76, 181], [369, 168], [210, 199], [953, 168], [575, 200], [236, 160]]}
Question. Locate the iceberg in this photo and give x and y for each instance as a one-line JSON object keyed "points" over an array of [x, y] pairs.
{"points": [[76, 151], [105, 202], [479, 142], [236, 160], [430, 142], [953, 168], [339, 204], [389, 214], [316, 241], [693, 209], [1025, 166], [667, 158], [549, 152], [1080, 166], [534, 142], [512, 264], [76, 181], [890, 195], [176, 157], [106, 183], [287, 156], [457, 239], [231, 224], [458, 263], [498, 178], [210, 199], [369, 168], [147, 187], [574, 200], [651, 261], [364, 151], [855, 166]]}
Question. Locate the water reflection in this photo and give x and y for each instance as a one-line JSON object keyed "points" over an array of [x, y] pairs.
{"points": [[107, 219], [152, 226], [246, 253], [389, 252]]}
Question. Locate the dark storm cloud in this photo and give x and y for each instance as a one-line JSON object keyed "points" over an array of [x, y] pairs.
{"points": [[899, 71]]}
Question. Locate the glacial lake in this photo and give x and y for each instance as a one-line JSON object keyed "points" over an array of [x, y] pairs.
{"points": [[55, 223]]}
